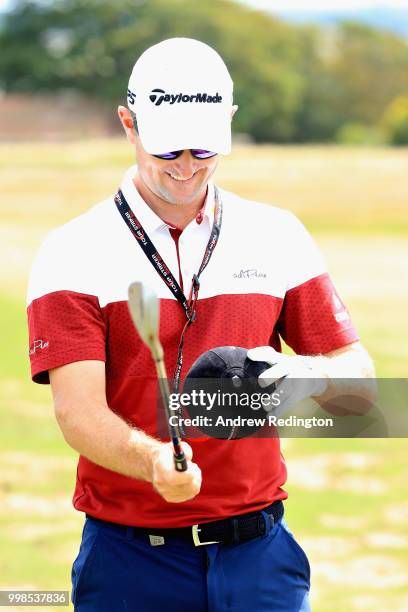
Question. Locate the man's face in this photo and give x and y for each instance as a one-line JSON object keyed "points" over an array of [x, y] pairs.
{"points": [[178, 181]]}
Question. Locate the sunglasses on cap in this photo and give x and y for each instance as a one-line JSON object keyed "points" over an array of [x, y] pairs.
{"points": [[197, 153]]}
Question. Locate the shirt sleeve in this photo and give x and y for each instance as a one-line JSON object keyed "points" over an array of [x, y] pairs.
{"points": [[313, 320], [65, 325]]}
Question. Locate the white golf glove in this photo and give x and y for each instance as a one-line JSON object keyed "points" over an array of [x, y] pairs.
{"points": [[295, 378]]}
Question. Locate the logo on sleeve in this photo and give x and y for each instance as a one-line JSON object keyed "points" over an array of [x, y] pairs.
{"points": [[38, 345], [342, 314]]}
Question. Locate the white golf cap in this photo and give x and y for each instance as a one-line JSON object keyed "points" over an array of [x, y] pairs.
{"points": [[181, 93]]}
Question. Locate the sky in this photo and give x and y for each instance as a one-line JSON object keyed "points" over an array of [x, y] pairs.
{"points": [[389, 15], [324, 5], [4, 5], [303, 5]]}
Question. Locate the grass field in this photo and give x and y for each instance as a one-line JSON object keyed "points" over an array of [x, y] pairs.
{"points": [[348, 504]]}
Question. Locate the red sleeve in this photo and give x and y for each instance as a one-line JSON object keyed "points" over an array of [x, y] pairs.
{"points": [[313, 318], [64, 326]]}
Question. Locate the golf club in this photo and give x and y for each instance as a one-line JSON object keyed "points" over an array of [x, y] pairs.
{"points": [[144, 310]]}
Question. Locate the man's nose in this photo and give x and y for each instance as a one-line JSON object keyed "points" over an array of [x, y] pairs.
{"points": [[186, 164]]}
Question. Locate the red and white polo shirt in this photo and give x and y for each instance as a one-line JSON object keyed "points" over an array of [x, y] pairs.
{"points": [[266, 280]]}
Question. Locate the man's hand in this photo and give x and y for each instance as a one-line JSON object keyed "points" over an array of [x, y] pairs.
{"points": [[295, 379], [175, 486]]}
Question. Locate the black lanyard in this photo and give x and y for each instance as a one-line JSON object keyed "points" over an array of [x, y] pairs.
{"points": [[163, 271]]}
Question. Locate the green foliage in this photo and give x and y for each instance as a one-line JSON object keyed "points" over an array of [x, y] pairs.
{"points": [[352, 73], [359, 134], [395, 121], [292, 83], [372, 68]]}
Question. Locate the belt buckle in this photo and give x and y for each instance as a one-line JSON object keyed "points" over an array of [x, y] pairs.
{"points": [[196, 538]]}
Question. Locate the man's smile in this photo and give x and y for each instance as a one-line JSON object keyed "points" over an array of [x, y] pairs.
{"points": [[180, 178]]}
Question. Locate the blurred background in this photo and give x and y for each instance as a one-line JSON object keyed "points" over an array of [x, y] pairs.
{"points": [[322, 129], [300, 76]]}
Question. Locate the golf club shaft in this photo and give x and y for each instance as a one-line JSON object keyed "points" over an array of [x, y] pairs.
{"points": [[144, 310]]}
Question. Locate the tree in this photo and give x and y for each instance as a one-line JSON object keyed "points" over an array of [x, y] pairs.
{"points": [[395, 121], [91, 46], [292, 83]]}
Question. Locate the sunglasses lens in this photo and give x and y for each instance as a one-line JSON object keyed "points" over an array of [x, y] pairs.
{"points": [[170, 155], [202, 153]]}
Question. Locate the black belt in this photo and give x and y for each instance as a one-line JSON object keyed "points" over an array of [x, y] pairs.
{"points": [[226, 531]]}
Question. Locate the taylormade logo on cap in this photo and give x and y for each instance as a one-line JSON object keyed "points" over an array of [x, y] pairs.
{"points": [[159, 95]]}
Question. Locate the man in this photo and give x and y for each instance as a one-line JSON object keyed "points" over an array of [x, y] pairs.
{"points": [[264, 279]]}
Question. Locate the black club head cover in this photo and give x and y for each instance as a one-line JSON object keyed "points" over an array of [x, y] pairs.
{"points": [[230, 379]]}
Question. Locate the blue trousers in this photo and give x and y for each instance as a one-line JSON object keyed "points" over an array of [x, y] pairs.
{"points": [[117, 571]]}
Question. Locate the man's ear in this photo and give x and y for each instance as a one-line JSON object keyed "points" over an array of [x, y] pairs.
{"points": [[127, 123], [234, 110]]}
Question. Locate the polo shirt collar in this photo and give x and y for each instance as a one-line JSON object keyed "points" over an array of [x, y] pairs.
{"points": [[147, 217]]}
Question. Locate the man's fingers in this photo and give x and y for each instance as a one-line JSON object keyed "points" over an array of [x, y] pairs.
{"points": [[182, 491], [188, 451], [172, 485], [166, 456], [180, 479], [264, 353], [178, 499], [273, 374], [194, 478], [166, 473]]}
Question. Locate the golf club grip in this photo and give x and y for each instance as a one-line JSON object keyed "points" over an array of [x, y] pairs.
{"points": [[180, 462]]}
